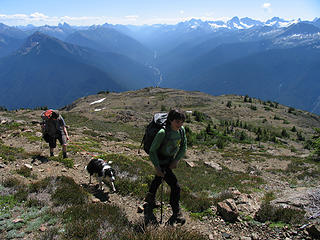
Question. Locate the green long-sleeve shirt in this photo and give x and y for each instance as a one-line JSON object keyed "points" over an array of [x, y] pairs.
{"points": [[170, 149]]}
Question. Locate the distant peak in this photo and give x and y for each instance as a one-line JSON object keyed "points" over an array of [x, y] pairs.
{"points": [[235, 19], [34, 43]]}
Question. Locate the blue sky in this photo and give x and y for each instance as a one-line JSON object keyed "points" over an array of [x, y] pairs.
{"points": [[138, 12]]}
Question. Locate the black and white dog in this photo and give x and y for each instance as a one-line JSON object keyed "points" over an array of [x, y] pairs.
{"points": [[102, 169]]}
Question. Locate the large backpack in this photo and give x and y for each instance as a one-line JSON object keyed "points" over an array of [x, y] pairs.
{"points": [[158, 122], [45, 116], [48, 127]]}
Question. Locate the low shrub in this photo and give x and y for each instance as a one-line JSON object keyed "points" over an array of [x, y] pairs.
{"points": [[67, 162], [68, 192], [94, 221], [168, 233], [12, 182], [26, 172], [269, 212]]}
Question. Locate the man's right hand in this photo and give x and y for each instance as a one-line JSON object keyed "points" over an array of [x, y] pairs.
{"points": [[159, 172]]}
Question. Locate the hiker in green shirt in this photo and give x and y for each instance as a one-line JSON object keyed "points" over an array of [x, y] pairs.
{"points": [[168, 147]]}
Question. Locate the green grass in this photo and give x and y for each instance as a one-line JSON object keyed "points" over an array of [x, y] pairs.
{"points": [[9, 126], [10, 154], [26, 172], [275, 214], [76, 120], [67, 162], [68, 192], [137, 174], [7, 203], [31, 137]]}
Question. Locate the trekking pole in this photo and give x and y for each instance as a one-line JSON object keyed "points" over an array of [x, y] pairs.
{"points": [[41, 144], [161, 197]]}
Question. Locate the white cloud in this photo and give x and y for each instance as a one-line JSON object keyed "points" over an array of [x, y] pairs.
{"points": [[181, 12], [266, 6], [41, 19], [38, 15], [132, 18]]}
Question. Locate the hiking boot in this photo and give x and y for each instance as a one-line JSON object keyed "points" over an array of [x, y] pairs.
{"points": [[51, 154], [176, 218], [65, 155], [149, 217]]}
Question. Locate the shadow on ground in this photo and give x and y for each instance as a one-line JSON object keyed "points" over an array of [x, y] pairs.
{"points": [[41, 158], [102, 195]]}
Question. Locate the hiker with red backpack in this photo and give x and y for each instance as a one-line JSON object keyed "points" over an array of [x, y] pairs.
{"points": [[168, 147], [53, 127]]}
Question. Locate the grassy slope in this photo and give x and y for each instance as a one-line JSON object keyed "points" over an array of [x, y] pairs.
{"points": [[114, 133]]}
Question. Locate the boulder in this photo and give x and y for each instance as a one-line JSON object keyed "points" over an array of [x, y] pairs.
{"points": [[228, 210]]}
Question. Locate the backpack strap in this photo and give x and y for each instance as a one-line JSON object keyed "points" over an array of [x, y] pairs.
{"points": [[182, 136]]}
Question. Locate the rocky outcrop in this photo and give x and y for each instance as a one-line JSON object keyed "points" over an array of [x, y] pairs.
{"points": [[228, 210]]}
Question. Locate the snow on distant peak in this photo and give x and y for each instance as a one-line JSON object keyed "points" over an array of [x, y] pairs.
{"points": [[246, 25], [214, 25], [238, 26], [288, 23]]}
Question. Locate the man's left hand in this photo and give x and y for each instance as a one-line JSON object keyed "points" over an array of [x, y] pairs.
{"points": [[173, 165]]}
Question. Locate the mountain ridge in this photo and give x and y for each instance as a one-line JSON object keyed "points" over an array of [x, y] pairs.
{"points": [[178, 55]]}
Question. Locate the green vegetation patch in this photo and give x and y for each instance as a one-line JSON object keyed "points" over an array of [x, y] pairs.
{"points": [[271, 213], [32, 138], [76, 120], [26, 172], [9, 126], [7, 203], [67, 162], [68, 192], [167, 233], [88, 144], [94, 221], [9, 154]]}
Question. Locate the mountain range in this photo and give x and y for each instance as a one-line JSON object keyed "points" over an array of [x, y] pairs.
{"points": [[276, 60]]}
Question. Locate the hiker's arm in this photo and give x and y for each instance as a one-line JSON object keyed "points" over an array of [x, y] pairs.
{"points": [[153, 153], [63, 123], [66, 132], [182, 149]]}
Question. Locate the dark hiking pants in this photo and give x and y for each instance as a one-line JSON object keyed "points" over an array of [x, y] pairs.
{"points": [[172, 181]]}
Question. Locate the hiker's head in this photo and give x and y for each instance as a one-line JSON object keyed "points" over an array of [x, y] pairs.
{"points": [[176, 118], [54, 115]]}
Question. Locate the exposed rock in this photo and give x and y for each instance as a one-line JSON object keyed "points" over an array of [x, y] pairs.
{"points": [[190, 164], [214, 165], [17, 220], [42, 228], [21, 122], [38, 134], [28, 166], [245, 238], [247, 204], [228, 210], [28, 130], [303, 198]]}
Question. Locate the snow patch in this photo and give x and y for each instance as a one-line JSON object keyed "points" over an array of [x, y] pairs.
{"points": [[98, 101], [213, 25]]}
